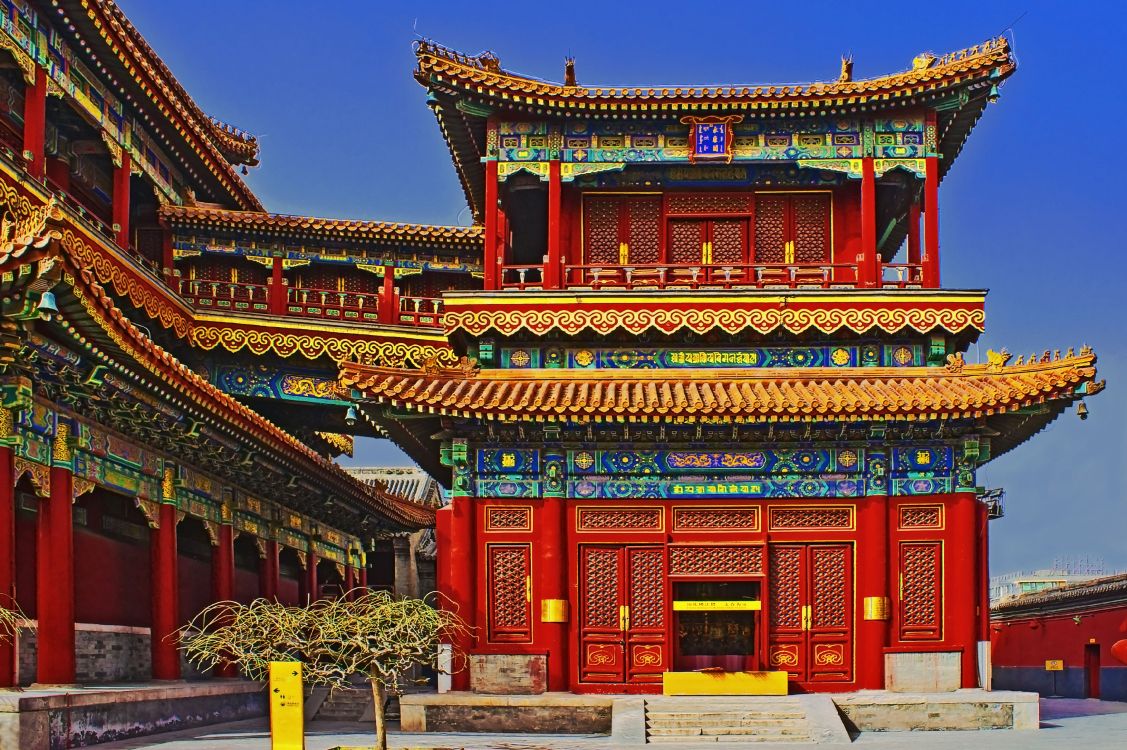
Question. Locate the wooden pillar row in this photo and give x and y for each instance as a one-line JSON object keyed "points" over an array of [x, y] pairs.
{"points": [[268, 572], [165, 587], [869, 269], [120, 208]]}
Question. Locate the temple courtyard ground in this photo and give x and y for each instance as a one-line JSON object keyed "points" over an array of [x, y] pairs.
{"points": [[1065, 723]]}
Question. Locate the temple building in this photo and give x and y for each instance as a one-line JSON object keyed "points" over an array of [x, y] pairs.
{"points": [[690, 379], [712, 413]]}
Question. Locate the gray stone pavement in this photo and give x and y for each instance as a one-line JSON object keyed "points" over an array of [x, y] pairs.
{"points": [[1065, 723]]}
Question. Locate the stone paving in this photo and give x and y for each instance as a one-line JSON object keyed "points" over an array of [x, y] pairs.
{"points": [[1065, 723]]}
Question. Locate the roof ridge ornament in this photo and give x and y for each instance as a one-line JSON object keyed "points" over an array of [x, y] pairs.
{"points": [[846, 75]]}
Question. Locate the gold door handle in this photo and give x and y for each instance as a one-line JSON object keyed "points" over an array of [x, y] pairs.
{"points": [[528, 588], [623, 253], [623, 618], [806, 617], [788, 252]]}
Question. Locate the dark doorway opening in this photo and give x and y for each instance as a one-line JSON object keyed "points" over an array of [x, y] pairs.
{"points": [[1092, 670]]}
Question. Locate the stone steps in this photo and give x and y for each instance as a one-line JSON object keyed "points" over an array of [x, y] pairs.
{"points": [[349, 704], [692, 720]]}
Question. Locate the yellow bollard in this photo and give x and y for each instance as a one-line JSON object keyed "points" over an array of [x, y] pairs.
{"points": [[287, 730]]}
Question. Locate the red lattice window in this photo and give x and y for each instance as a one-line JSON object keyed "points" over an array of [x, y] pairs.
{"points": [[708, 560], [620, 229], [786, 587], [687, 238], [921, 591], [811, 518], [792, 228], [509, 574], [647, 588], [709, 203], [620, 519], [921, 516], [726, 519], [505, 518], [830, 589], [600, 581], [729, 239]]}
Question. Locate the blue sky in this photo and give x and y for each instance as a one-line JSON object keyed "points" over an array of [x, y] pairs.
{"points": [[1033, 209]]}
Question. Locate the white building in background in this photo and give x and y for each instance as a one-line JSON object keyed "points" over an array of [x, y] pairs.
{"points": [[1062, 573]]}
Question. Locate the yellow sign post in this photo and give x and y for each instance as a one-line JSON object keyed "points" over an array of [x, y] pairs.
{"points": [[287, 730]]}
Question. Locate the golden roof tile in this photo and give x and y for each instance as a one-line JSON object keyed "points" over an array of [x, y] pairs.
{"points": [[786, 394]]}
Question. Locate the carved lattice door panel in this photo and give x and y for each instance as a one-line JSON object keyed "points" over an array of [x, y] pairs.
{"points": [[622, 614], [811, 594], [792, 228], [621, 229], [509, 573], [920, 613], [709, 242], [687, 241]]}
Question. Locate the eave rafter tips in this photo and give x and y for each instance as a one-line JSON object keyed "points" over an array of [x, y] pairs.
{"points": [[956, 390], [482, 76], [221, 146]]}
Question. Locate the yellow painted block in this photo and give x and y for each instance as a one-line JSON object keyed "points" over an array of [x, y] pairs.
{"points": [[287, 720], [724, 683]]}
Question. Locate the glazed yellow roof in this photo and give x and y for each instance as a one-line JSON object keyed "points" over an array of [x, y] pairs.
{"points": [[741, 395], [353, 228], [483, 75]]}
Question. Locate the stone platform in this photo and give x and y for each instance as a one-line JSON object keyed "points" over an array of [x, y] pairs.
{"points": [[627, 718], [44, 718]]}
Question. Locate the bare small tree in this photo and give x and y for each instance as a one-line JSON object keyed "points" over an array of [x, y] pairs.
{"points": [[371, 633]]}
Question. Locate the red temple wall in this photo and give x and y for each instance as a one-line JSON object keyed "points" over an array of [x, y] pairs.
{"points": [[111, 580], [246, 585], [1030, 640], [931, 540], [194, 577]]}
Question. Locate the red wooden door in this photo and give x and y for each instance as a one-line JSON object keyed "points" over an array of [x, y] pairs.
{"points": [[621, 229], [811, 626], [1092, 670], [622, 614], [792, 228], [687, 242]]}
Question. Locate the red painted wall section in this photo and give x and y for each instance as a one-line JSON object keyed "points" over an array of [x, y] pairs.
{"points": [[847, 223], [1030, 641], [195, 586], [112, 581], [288, 590], [246, 585], [26, 542]]}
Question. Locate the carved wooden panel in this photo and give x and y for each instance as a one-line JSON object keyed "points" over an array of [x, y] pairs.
{"points": [[509, 574], [921, 591], [830, 604], [708, 560], [786, 587], [729, 238], [623, 519], [770, 228], [811, 220], [708, 203], [644, 233], [921, 516], [508, 518], [600, 587], [600, 229], [811, 518], [726, 519], [647, 588], [686, 241]]}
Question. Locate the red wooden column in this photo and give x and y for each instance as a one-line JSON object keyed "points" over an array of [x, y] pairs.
{"points": [[54, 581], [931, 223], [961, 554], [362, 578], [552, 270], [7, 539], [268, 572], [120, 208], [312, 591], [276, 300], [459, 562], [389, 305], [35, 124], [165, 586], [554, 586], [349, 581], [489, 252], [875, 614], [223, 578], [868, 271]]}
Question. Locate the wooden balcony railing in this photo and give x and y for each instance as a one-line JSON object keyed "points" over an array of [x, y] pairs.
{"points": [[714, 276], [312, 303]]}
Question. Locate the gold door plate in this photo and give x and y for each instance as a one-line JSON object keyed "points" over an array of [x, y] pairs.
{"points": [[553, 610]]}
